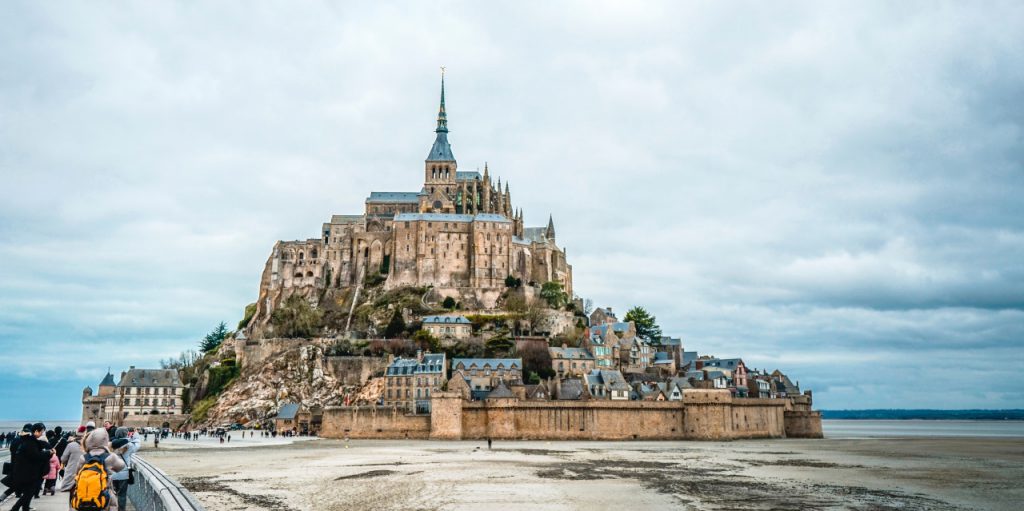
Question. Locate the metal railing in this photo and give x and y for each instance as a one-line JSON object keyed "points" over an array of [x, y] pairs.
{"points": [[156, 491]]}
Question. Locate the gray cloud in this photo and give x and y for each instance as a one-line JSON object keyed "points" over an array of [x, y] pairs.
{"points": [[833, 190]]}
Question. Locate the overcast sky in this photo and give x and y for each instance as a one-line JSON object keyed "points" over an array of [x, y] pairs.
{"points": [[835, 190]]}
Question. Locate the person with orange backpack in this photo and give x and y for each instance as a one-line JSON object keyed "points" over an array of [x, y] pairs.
{"points": [[92, 490]]}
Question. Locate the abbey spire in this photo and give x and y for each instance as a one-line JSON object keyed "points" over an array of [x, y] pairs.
{"points": [[441, 151]]}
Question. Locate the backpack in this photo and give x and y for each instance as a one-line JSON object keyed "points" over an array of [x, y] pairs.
{"points": [[91, 493]]}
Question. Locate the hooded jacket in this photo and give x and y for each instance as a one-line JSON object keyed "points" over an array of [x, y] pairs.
{"points": [[72, 460], [97, 443], [131, 449]]}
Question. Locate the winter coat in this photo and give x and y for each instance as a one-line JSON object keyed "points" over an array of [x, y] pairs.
{"points": [[31, 463], [97, 443], [72, 460], [54, 466], [130, 449]]}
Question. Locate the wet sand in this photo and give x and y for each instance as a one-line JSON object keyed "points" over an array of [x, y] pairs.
{"points": [[861, 474]]}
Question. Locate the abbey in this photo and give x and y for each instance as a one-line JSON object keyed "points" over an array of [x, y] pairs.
{"points": [[459, 234]]}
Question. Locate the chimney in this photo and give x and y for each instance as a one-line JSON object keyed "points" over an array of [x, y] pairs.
{"points": [[419, 355], [391, 358], [564, 345]]}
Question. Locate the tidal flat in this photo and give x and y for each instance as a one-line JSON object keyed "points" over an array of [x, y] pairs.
{"points": [[858, 474]]}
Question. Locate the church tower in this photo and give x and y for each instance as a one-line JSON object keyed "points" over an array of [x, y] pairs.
{"points": [[439, 183]]}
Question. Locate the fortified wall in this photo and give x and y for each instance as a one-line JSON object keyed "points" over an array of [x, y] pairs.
{"points": [[701, 415]]}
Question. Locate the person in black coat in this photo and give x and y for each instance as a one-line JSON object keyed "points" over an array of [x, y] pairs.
{"points": [[8, 480], [30, 465]]}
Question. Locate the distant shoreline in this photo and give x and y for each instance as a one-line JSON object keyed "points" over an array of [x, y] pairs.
{"points": [[924, 414]]}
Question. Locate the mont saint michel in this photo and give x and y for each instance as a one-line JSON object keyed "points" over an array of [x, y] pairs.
{"points": [[327, 256]]}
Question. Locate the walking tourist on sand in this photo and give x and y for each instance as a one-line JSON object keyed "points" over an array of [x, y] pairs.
{"points": [[31, 463]]}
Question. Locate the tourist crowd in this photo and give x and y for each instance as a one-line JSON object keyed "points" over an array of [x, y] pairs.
{"points": [[93, 465]]}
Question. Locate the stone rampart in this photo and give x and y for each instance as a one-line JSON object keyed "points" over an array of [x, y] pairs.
{"points": [[803, 424], [373, 422], [702, 415]]}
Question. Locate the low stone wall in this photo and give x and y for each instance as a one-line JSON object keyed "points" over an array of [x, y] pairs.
{"points": [[702, 415], [373, 422], [154, 421]]}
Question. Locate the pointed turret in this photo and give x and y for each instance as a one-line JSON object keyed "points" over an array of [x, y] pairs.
{"points": [[441, 151], [550, 233]]}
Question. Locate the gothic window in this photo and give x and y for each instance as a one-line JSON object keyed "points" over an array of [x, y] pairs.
{"points": [[301, 256], [313, 254]]}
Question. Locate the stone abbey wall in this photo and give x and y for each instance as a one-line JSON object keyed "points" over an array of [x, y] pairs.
{"points": [[702, 415]]}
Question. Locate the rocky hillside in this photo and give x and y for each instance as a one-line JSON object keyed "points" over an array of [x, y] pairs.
{"points": [[295, 375]]}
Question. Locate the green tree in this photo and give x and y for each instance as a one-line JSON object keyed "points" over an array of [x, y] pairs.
{"points": [[296, 318], [499, 344], [513, 282], [396, 327], [552, 293], [426, 341], [214, 339], [646, 324]]}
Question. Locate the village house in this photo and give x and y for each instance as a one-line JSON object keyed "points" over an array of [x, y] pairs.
{"points": [[448, 327], [607, 384], [139, 392], [483, 374], [408, 381], [735, 365], [609, 343], [602, 316], [568, 361], [570, 389]]}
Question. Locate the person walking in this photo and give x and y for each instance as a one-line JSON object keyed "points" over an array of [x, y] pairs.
{"points": [[126, 444], [50, 481], [97, 444], [31, 464], [8, 480], [72, 461]]}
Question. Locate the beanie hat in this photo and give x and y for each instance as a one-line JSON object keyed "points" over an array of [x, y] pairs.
{"points": [[119, 443], [81, 429], [39, 426], [27, 428]]}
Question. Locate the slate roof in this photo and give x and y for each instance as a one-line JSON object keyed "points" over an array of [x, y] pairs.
{"points": [[441, 150], [150, 378], [347, 219], [536, 392], [572, 389], [661, 357], [447, 320], [408, 197], [571, 353], [500, 392], [495, 363], [471, 175], [288, 411], [432, 363], [671, 341], [725, 363], [535, 233], [108, 380], [612, 379], [451, 217]]}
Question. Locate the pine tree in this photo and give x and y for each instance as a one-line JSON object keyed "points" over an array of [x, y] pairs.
{"points": [[646, 324], [214, 339]]}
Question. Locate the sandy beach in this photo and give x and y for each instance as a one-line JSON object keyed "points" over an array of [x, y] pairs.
{"points": [[861, 474]]}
